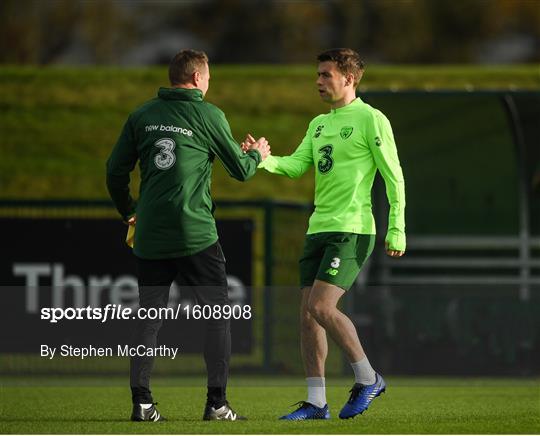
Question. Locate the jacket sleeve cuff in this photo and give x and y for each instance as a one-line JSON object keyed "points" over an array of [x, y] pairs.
{"points": [[256, 155], [131, 211], [396, 240]]}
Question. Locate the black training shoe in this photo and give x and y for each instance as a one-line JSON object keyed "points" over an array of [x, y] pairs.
{"points": [[146, 414], [223, 413]]}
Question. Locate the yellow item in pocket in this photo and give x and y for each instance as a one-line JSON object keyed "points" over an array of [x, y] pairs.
{"points": [[130, 237]]}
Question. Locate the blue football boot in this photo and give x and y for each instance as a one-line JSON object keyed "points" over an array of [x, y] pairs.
{"points": [[361, 397], [307, 411]]}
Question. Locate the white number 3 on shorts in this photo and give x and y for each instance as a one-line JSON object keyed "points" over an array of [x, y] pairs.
{"points": [[335, 262]]}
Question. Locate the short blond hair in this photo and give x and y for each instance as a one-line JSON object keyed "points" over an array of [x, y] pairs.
{"points": [[184, 64]]}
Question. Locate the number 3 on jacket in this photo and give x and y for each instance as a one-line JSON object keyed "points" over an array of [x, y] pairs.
{"points": [[165, 157]]}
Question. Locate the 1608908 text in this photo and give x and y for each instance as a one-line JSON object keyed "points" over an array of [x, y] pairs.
{"points": [[217, 312]]}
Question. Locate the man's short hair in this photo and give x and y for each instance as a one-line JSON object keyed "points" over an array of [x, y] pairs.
{"points": [[184, 64], [347, 62]]}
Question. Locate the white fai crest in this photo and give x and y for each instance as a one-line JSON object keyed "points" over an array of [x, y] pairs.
{"points": [[165, 157], [335, 262]]}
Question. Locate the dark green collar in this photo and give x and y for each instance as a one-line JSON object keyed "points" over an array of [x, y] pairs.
{"points": [[192, 94]]}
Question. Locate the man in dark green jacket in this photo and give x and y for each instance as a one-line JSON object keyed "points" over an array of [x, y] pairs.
{"points": [[176, 137]]}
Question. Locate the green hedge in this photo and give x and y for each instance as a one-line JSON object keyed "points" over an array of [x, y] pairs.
{"points": [[59, 124]]}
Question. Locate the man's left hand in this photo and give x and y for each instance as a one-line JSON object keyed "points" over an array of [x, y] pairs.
{"points": [[392, 253], [248, 143]]}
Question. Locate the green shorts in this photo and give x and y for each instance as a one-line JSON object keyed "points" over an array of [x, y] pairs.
{"points": [[334, 257]]}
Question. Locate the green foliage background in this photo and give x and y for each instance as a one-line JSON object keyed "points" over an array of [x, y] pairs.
{"points": [[58, 124]]}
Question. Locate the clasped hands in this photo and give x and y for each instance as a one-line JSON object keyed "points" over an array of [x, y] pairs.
{"points": [[261, 145]]}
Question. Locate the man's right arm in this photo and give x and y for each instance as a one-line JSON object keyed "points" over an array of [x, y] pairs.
{"points": [[120, 163], [296, 164]]}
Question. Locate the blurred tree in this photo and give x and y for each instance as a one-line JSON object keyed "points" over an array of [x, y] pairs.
{"points": [[406, 31], [400, 31], [305, 29], [33, 31], [107, 29], [16, 41], [237, 30], [512, 15], [353, 28], [272, 31], [36, 31], [57, 26], [427, 31]]}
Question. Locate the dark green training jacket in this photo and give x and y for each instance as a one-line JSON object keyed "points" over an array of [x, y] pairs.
{"points": [[175, 137]]}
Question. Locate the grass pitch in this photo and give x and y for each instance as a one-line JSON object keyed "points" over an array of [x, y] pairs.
{"points": [[80, 405]]}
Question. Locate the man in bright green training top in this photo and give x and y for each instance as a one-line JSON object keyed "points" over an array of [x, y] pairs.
{"points": [[346, 146]]}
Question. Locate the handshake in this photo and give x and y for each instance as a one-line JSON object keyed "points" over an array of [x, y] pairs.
{"points": [[261, 145]]}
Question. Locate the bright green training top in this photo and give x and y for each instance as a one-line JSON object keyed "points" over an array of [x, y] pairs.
{"points": [[347, 146]]}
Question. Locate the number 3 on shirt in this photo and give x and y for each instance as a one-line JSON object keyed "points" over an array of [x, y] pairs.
{"points": [[326, 162], [165, 158]]}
